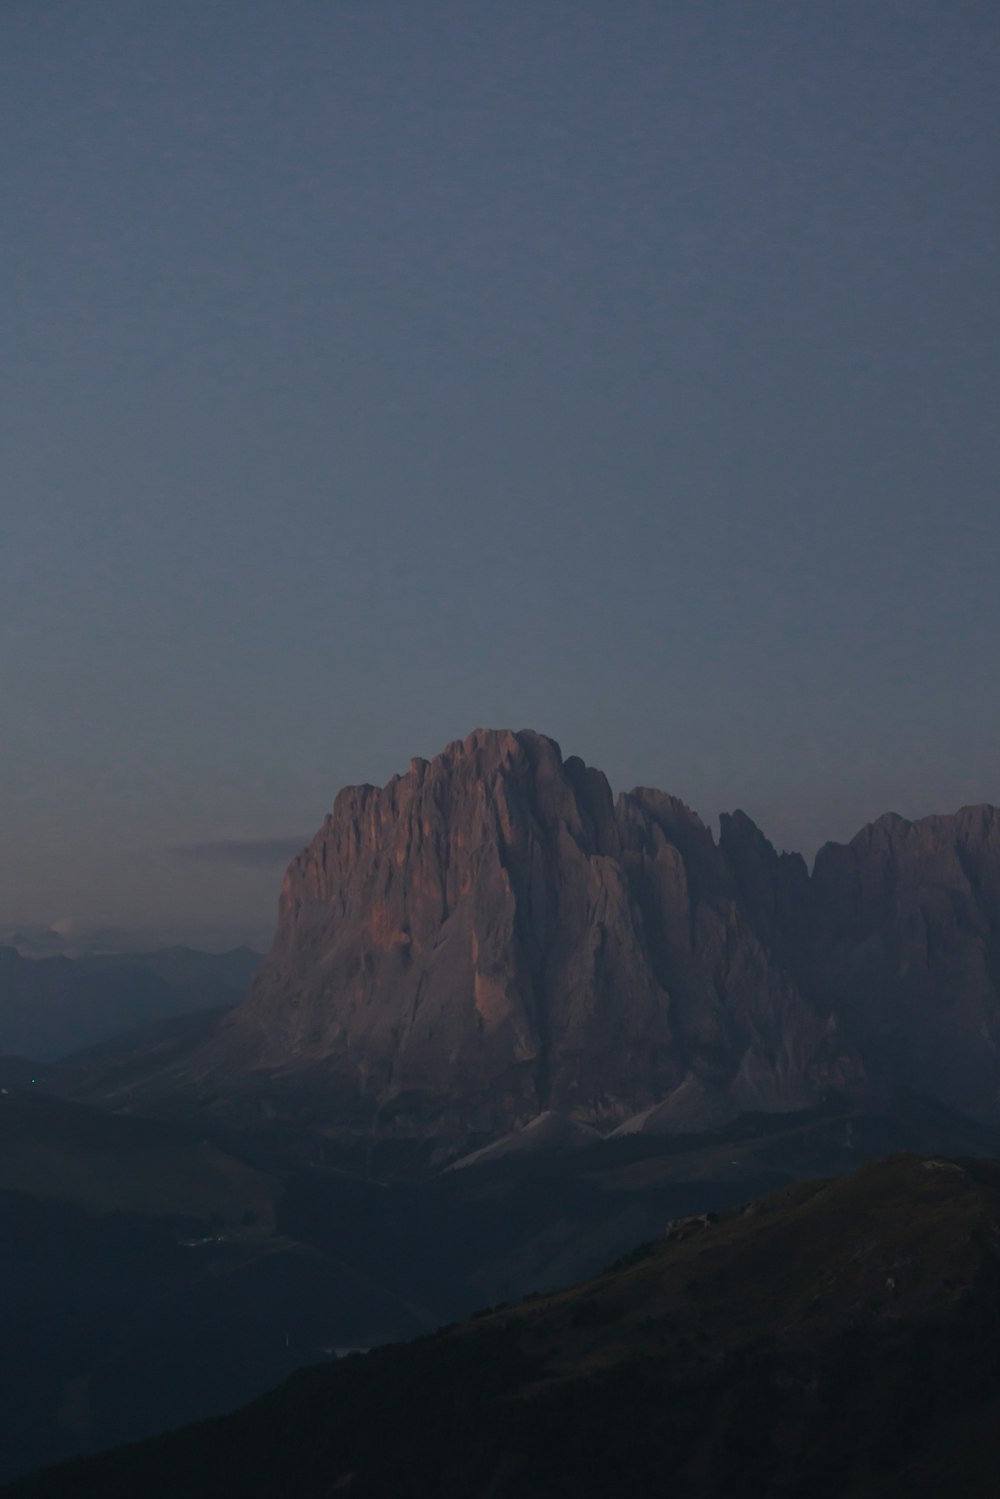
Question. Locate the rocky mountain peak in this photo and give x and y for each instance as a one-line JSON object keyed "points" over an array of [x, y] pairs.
{"points": [[491, 935]]}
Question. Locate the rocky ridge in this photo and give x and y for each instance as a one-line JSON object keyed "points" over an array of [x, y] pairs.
{"points": [[493, 936]]}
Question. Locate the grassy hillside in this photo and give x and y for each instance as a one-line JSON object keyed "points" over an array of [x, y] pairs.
{"points": [[833, 1339]]}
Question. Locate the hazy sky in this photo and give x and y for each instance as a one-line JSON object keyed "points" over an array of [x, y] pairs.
{"points": [[372, 371]]}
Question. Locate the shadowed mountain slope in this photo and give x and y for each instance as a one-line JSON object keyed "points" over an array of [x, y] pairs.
{"points": [[53, 1148], [838, 1339], [905, 945], [147, 1279], [50, 1007]]}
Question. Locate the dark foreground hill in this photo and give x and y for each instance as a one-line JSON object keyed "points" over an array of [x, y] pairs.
{"points": [[151, 1277], [146, 1281], [837, 1339]]}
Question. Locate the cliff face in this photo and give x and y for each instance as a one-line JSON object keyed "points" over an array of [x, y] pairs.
{"points": [[489, 936], [466, 932], [905, 946]]}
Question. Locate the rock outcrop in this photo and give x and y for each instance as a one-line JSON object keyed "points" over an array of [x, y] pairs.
{"points": [[490, 936], [904, 946]]}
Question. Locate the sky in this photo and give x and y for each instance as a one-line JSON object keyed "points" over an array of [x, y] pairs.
{"points": [[374, 370]]}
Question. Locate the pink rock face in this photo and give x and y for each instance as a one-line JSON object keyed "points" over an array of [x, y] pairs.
{"points": [[466, 931], [489, 936]]}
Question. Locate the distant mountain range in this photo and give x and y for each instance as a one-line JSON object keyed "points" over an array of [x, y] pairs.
{"points": [[836, 1338], [52, 1006], [492, 937], [71, 939]]}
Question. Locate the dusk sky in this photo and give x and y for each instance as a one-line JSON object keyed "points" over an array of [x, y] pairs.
{"points": [[375, 371]]}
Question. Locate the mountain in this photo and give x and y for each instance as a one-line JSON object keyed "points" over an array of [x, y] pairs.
{"points": [[603, 1015], [52, 1006], [837, 1338], [905, 947], [73, 939], [492, 937]]}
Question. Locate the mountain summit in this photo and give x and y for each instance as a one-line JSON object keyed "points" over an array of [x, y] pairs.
{"points": [[490, 936]]}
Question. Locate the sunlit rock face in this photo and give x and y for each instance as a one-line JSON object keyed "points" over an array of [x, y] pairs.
{"points": [[490, 936]]}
